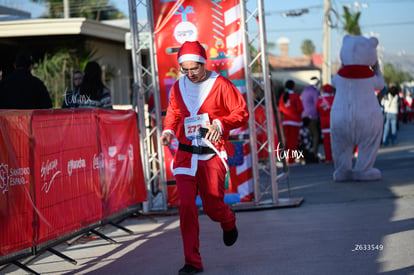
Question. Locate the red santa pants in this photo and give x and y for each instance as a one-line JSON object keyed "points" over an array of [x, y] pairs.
{"points": [[327, 146], [292, 138], [410, 116], [210, 181]]}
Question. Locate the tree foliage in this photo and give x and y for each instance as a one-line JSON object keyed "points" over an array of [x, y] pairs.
{"points": [[307, 47], [392, 75], [351, 22], [56, 69], [90, 9]]}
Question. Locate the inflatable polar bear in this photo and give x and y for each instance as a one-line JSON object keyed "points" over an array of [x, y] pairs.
{"points": [[356, 116]]}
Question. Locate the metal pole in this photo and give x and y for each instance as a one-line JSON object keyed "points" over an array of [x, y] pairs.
{"points": [[138, 100], [156, 133], [268, 102], [250, 103], [326, 66]]}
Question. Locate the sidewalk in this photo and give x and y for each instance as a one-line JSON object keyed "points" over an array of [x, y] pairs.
{"points": [[340, 228]]}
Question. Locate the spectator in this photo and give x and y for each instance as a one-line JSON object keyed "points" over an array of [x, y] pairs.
{"points": [[409, 107], [324, 106], [92, 92], [309, 97], [305, 142], [291, 107], [71, 97], [391, 105], [22, 90]]}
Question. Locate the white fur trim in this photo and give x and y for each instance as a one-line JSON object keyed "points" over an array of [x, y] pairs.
{"points": [[188, 171], [191, 57], [292, 123]]}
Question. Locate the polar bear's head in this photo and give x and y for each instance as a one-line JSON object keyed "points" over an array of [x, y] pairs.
{"points": [[359, 50]]}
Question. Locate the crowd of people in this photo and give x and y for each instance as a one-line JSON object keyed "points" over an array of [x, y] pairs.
{"points": [[306, 116], [398, 107], [306, 119], [22, 90]]}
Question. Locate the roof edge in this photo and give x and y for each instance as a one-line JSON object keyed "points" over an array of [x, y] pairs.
{"points": [[61, 26]]}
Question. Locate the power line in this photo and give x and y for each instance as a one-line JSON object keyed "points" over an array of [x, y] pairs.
{"points": [[293, 11], [389, 24], [363, 26]]}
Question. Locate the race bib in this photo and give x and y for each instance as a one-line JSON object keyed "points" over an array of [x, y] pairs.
{"points": [[192, 125]]}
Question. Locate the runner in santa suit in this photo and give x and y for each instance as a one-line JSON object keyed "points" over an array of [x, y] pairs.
{"points": [[323, 106], [409, 107], [202, 99], [291, 107]]}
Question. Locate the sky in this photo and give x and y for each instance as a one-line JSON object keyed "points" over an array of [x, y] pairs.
{"points": [[391, 21]]}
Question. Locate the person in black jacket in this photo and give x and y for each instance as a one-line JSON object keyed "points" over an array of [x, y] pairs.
{"points": [[22, 90], [92, 92]]}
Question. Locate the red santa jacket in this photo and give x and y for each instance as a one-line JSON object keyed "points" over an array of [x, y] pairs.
{"points": [[291, 110], [221, 101], [323, 106]]}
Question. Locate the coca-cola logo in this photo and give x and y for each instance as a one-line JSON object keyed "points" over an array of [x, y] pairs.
{"points": [[131, 152], [98, 161]]}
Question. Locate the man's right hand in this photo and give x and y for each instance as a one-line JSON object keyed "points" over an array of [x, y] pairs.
{"points": [[165, 138]]}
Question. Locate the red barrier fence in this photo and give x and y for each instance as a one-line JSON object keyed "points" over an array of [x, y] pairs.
{"points": [[62, 170]]}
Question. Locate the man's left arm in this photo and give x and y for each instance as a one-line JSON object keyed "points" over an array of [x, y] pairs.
{"points": [[236, 106]]}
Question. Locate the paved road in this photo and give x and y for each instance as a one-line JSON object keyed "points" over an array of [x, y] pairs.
{"points": [[340, 228]]}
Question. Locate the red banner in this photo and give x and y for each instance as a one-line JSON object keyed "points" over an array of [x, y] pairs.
{"points": [[215, 24], [62, 170], [119, 149], [67, 189], [16, 206]]}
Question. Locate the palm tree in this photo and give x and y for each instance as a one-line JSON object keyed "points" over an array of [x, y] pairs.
{"points": [[308, 48], [90, 9], [55, 70], [351, 22]]}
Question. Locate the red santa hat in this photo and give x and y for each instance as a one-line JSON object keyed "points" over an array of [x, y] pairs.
{"points": [[327, 88], [192, 51]]}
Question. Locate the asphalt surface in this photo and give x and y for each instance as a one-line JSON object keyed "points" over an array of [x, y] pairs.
{"points": [[339, 228]]}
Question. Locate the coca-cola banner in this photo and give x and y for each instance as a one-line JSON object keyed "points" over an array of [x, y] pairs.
{"points": [[120, 155]]}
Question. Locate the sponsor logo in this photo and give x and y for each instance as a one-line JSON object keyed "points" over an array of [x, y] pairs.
{"points": [[49, 168], [12, 176], [75, 164], [131, 152], [98, 161], [121, 157], [112, 151]]}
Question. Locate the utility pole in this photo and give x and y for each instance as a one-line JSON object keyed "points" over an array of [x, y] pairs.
{"points": [[66, 9], [326, 66]]}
